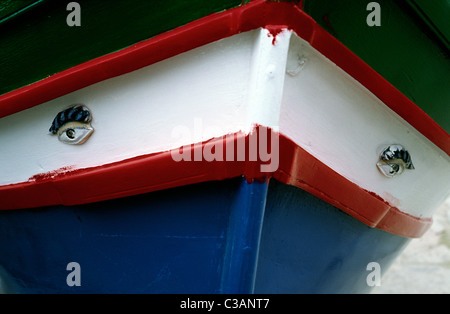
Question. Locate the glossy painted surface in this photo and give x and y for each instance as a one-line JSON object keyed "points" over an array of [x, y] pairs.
{"points": [[55, 186], [436, 15], [10, 9], [200, 239], [308, 246], [39, 43], [251, 78], [213, 27], [410, 49], [404, 50], [203, 238]]}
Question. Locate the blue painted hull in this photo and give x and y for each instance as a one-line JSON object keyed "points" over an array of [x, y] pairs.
{"points": [[216, 237]]}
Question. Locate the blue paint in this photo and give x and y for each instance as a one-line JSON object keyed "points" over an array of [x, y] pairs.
{"points": [[309, 246], [244, 233], [215, 237], [172, 241]]}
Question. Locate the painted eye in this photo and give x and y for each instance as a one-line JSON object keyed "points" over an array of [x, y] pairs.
{"points": [[72, 125], [75, 133], [394, 160]]}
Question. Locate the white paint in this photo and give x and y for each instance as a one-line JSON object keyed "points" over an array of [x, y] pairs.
{"points": [[229, 85], [267, 78], [134, 114], [138, 113], [341, 123]]}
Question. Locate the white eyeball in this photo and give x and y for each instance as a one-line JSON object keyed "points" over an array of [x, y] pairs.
{"points": [[75, 132]]}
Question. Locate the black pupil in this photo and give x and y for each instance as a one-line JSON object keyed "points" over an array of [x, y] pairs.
{"points": [[70, 133]]}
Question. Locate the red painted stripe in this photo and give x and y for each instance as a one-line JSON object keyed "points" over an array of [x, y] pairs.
{"points": [[297, 167], [214, 27], [301, 169], [130, 177]]}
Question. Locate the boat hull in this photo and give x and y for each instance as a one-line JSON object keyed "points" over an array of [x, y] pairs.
{"points": [[226, 236], [169, 195]]}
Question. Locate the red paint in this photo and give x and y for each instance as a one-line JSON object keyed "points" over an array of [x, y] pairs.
{"points": [[297, 167], [327, 22], [274, 30], [159, 171], [49, 175], [253, 15]]}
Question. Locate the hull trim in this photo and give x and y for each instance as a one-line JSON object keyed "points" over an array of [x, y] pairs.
{"points": [[143, 174], [254, 15]]}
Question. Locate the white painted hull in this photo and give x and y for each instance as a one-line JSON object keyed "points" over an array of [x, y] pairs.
{"points": [[228, 86]]}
